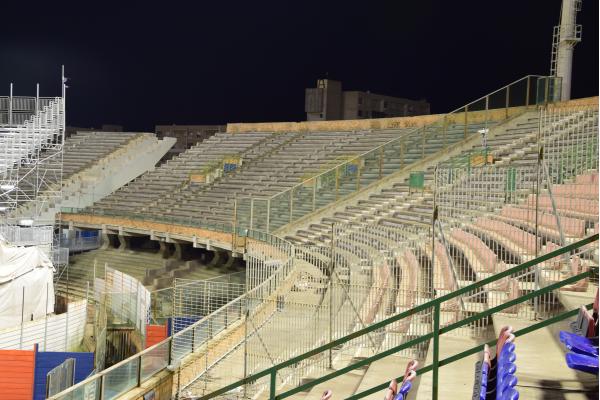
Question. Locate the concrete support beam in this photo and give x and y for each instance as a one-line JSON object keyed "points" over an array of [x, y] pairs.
{"points": [[124, 242]]}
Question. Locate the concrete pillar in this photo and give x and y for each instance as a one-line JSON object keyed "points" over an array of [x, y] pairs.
{"points": [[124, 242], [178, 253], [106, 241], [216, 260], [164, 250], [228, 265]]}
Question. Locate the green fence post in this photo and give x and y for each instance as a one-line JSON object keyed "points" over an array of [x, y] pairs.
{"points": [[436, 350], [273, 384]]}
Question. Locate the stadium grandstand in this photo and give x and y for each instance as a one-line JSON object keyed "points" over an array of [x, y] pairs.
{"points": [[441, 256]]}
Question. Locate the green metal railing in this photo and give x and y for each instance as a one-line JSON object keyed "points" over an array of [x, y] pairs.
{"points": [[269, 213], [434, 335]]}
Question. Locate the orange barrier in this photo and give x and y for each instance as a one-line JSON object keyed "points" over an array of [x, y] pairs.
{"points": [[155, 334], [16, 374]]}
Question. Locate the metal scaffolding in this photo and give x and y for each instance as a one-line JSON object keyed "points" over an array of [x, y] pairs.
{"points": [[32, 132]]}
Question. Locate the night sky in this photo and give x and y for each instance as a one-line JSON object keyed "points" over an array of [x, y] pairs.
{"points": [[204, 62]]}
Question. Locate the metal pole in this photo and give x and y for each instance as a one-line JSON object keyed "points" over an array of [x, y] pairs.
{"points": [[466, 120], [331, 268], [314, 194], [10, 105], [46, 318], [528, 90], [291, 204], [337, 182], [507, 100], [268, 213], [273, 384], [245, 349], [436, 350], [22, 315], [251, 212], [37, 97]]}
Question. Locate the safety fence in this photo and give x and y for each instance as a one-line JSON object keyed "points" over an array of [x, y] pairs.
{"points": [[270, 376], [15, 110], [126, 299], [495, 216], [270, 213], [202, 347], [27, 235], [54, 332]]}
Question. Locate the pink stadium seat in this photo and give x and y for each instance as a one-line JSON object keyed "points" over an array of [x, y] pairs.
{"points": [[586, 191], [587, 178], [584, 206], [519, 237], [570, 226], [487, 259]]}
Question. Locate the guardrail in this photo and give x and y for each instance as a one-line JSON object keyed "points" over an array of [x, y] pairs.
{"points": [[436, 305], [270, 213], [133, 371]]}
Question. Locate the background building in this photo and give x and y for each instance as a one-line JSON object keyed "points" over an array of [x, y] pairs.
{"points": [[329, 102], [186, 135], [71, 130]]}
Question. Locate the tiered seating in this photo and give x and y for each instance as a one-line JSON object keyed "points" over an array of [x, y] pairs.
{"points": [[142, 193], [394, 206], [84, 148], [270, 164], [495, 377]]}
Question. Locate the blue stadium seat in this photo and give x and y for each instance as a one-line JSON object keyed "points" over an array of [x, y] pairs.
{"points": [[582, 343], [495, 378], [579, 344], [582, 362]]}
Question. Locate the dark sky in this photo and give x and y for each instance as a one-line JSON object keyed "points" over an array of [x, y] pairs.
{"points": [[137, 64]]}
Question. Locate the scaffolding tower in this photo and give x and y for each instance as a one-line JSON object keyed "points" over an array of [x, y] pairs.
{"points": [[32, 132]]}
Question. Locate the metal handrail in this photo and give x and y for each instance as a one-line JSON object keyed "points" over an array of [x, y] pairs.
{"points": [[443, 116], [169, 340], [437, 330]]}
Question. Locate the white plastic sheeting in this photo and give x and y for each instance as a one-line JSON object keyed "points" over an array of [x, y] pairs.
{"points": [[26, 287]]}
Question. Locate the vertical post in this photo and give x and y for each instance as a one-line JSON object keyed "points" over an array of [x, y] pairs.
{"points": [[46, 318], [358, 176], [251, 212], [314, 194], [67, 328], [528, 90], [273, 384], [466, 120], [268, 213], [537, 195], [331, 271], [436, 350], [22, 316], [337, 183], [10, 105], [101, 388], [507, 103], [245, 349], [380, 162], [37, 97], [291, 204], [139, 372], [487, 108]]}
